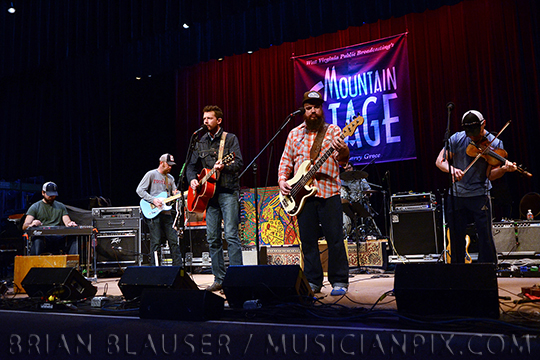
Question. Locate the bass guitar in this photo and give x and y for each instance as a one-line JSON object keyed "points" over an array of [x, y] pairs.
{"points": [[301, 188], [198, 199], [150, 210]]}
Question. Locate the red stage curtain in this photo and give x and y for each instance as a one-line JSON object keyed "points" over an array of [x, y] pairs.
{"points": [[479, 54]]}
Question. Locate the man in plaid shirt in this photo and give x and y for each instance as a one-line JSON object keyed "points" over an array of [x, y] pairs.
{"points": [[322, 214]]}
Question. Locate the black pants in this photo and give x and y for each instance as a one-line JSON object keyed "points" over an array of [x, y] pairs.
{"points": [[479, 209]]}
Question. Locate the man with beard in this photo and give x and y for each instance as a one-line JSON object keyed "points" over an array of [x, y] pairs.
{"points": [[49, 212], [223, 207], [324, 210], [154, 183]]}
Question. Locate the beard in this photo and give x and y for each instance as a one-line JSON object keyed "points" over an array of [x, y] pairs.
{"points": [[314, 122]]}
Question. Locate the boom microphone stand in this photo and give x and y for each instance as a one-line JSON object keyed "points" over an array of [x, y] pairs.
{"points": [[252, 163]]}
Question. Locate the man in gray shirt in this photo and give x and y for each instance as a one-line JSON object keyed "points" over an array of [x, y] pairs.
{"points": [[155, 185]]}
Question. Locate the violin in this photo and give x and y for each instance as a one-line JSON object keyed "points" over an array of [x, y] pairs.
{"points": [[493, 156]]}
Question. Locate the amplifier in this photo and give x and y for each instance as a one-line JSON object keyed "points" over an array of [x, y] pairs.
{"points": [[117, 212], [413, 202], [115, 218], [117, 248], [517, 237]]}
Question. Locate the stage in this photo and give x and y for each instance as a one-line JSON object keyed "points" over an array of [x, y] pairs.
{"points": [[361, 324]]}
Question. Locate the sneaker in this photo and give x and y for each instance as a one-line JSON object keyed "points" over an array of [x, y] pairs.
{"points": [[315, 288], [214, 287], [338, 291]]}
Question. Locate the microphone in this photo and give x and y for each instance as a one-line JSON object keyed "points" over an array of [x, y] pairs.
{"points": [[450, 106], [202, 128], [300, 111]]}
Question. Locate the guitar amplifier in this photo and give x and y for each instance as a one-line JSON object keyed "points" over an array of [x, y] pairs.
{"points": [[116, 218], [517, 237]]}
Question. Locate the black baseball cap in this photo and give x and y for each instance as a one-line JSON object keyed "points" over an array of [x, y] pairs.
{"points": [[50, 189], [472, 122]]}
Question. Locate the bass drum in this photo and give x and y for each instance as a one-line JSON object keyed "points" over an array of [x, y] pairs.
{"points": [[347, 226]]}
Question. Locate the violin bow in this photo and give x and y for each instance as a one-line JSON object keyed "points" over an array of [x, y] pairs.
{"points": [[486, 148]]}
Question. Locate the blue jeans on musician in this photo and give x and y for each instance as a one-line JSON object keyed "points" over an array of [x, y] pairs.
{"points": [[223, 206], [163, 224], [54, 244], [323, 217]]}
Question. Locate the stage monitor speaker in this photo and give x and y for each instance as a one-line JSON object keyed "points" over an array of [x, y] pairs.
{"points": [[180, 304], [431, 289], [137, 278], [514, 237], [416, 232], [268, 284], [64, 283]]}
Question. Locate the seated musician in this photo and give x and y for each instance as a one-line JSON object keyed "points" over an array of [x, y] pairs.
{"points": [[49, 212]]}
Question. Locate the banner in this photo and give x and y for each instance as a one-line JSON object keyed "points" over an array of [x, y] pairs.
{"points": [[371, 80]]}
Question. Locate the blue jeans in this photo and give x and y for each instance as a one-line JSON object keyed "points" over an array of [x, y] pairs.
{"points": [[223, 206], [163, 224], [479, 209], [328, 213], [54, 244]]}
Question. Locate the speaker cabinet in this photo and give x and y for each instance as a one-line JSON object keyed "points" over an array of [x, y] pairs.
{"points": [[269, 284], [447, 289], [416, 232], [118, 247], [180, 304], [517, 237], [137, 278], [64, 283]]}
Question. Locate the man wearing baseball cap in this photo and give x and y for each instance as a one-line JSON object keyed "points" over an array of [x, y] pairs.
{"points": [[49, 212], [324, 208], [470, 193], [156, 185]]}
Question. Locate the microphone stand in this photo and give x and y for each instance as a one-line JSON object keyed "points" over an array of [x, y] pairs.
{"points": [[252, 163], [450, 107], [181, 203]]}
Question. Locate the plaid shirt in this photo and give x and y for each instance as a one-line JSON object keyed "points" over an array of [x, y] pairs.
{"points": [[296, 151]]}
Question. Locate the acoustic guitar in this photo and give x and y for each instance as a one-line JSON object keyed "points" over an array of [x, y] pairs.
{"points": [[301, 188], [198, 199]]}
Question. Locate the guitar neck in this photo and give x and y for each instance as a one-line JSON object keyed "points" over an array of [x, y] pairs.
{"points": [[171, 198], [207, 176]]}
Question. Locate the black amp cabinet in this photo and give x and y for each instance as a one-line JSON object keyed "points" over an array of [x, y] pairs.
{"points": [[415, 227], [118, 237]]}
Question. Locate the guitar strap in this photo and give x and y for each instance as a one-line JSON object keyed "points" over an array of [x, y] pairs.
{"points": [[221, 148], [317, 143], [222, 145]]}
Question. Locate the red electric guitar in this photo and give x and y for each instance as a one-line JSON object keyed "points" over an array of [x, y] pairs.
{"points": [[198, 199]]}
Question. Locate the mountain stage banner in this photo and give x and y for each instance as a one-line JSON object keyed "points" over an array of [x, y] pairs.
{"points": [[371, 80]]}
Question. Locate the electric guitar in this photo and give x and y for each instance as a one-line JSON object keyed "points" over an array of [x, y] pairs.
{"points": [[468, 259], [198, 199], [150, 210], [301, 187]]}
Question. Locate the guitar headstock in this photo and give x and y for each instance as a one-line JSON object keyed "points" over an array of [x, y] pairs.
{"points": [[229, 159], [351, 127]]}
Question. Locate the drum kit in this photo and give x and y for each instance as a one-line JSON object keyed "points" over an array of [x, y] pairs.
{"points": [[358, 222]]}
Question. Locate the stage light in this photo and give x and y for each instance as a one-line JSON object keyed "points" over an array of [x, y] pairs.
{"points": [[12, 9], [185, 26], [250, 52]]}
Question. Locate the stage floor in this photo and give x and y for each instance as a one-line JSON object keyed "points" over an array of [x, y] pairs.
{"points": [[359, 324]]}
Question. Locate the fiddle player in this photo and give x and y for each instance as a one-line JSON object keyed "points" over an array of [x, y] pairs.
{"points": [[471, 199]]}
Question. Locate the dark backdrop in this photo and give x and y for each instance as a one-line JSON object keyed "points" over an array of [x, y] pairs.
{"points": [[71, 110]]}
